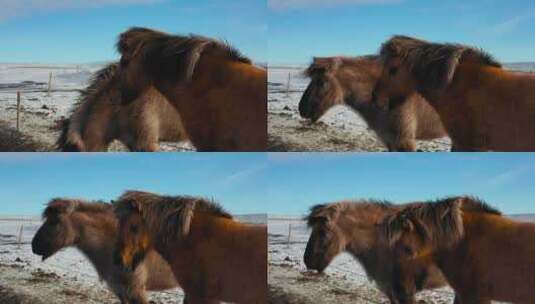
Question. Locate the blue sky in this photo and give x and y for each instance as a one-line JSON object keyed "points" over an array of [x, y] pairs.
{"points": [[79, 31], [300, 29], [29, 180], [277, 183]]}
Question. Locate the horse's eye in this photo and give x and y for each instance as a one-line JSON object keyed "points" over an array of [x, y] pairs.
{"points": [[393, 71], [407, 251], [134, 229]]}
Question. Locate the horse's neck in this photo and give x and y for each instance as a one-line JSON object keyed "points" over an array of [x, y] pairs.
{"points": [[365, 110], [96, 238], [224, 72], [219, 232], [369, 262]]}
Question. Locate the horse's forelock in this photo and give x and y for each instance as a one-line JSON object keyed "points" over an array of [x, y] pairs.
{"points": [[131, 38], [58, 206], [319, 212], [322, 65]]}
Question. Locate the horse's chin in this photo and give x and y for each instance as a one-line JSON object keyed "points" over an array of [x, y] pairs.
{"points": [[319, 267], [396, 101], [46, 256]]}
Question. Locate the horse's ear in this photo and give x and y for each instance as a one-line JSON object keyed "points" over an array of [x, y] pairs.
{"points": [[323, 65], [59, 206], [322, 215], [408, 226], [192, 58], [133, 204], [436, 74], [420, 228], [179, 221], [452, 220]]}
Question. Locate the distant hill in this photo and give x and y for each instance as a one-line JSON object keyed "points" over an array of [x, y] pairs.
{"points": [[521, 66], [524, 217]]}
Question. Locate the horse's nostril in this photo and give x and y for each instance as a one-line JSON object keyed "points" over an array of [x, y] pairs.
{"points": [[117, 258], [374, 97]]}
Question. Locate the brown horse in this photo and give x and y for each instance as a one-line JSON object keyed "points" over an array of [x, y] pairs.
{"points": [[99, 118], [484, 255], [482, 105], [220, 95], [214, 258], [92, 228], [353, 227], [350, 81]]}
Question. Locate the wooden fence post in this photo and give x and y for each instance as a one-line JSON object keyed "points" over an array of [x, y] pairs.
{"points": [[289, 234], [19, 239], [18, 110], [49, 83], [288, 84]]}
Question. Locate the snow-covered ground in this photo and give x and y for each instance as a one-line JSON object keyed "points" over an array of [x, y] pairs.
{"points": [[66, 277], [41, 111], [340, 129]]}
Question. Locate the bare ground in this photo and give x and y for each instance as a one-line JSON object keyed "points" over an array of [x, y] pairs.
{"points": [[21, 285], [290, 286], [289, 134]]}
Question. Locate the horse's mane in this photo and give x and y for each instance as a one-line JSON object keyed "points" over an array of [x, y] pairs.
{"points": [[332, 210], [66, 205], [322, 64], [168, 216], [99, 78], [97, 85], [439, 221], [176, 55], [433, 63]]}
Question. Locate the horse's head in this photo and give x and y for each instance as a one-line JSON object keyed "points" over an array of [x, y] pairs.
{"points": [[327, 239], [324, 90], [409, 237], [420, 230], [134, 239], [412, 64], [57, 231], [396, 82], [338, 80], [135, 75]]}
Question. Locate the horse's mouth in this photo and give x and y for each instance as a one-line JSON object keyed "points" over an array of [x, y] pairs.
{"points": [[314, 265], [45, 256], [318, 269]]}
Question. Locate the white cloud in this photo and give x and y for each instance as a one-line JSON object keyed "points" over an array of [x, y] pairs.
{"points": [[291, 4], [11, 9], [510, 176], [510, 24], [244, 174]]}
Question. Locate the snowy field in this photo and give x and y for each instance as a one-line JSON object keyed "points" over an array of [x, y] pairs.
{"points": [[66, 277], [340, 129], [41, 111], [343, 277]]}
